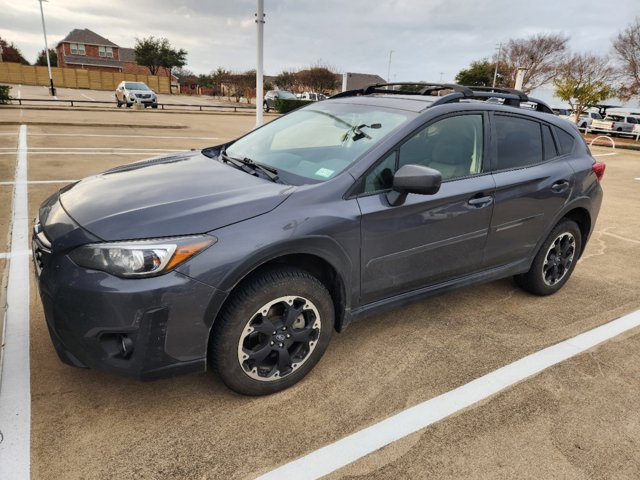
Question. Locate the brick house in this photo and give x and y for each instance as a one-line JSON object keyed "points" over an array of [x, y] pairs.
{"points": [[87, 50]]}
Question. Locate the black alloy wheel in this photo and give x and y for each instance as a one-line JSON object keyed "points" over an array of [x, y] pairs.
{"points": [[279, 338], [272, 331], [555, 260], [559, 258]]}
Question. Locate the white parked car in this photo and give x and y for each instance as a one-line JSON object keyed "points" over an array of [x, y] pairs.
{"points": [[585, 120], [128, 93]]}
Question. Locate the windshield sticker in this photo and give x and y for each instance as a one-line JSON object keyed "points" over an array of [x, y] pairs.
{"points": [[324, 172]]}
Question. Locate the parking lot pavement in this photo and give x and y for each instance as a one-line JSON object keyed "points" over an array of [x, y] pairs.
{"points": [[577, 420]]}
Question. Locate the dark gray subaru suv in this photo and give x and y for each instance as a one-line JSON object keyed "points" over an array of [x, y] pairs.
{"points": [[250, 254]]}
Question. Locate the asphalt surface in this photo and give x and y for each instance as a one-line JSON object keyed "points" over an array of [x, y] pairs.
{"points": [[577, 420]]}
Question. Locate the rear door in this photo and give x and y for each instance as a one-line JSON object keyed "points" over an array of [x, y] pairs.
{"points": [[533, 182]]}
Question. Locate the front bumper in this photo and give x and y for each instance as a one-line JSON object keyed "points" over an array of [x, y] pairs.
{"points": [[141, 328]]}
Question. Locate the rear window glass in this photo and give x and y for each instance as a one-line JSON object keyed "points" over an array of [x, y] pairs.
{"points": [[566, 141], [519, 142]]}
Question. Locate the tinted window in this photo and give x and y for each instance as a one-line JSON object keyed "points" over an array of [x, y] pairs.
{"points": [[519, 142], [548, 144], [452, 146], [631, 120], [381, 177], [566, 141]]}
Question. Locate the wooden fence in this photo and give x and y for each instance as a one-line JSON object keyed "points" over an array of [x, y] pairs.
{"points": [[76, 78]]}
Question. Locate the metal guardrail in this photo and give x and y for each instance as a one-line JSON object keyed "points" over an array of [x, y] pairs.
{"points": [[112, 102]]}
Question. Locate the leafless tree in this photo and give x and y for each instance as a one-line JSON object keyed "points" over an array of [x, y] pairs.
{"points": [[584, 80], [540, 55], [627, 50]]}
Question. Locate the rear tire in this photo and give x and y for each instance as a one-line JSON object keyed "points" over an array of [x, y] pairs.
{"points": [[265, 107], [555, 261], [272, 331]]}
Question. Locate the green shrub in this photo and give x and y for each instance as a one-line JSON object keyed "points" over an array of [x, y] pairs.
{"points": [[282, 105], [4, 94]]}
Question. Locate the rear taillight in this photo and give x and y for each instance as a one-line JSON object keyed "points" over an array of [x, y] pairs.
{"points": [[613, 125], [598, 169]]}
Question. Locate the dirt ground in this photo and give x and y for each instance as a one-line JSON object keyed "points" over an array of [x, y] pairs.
{"points": [[577, 420]]}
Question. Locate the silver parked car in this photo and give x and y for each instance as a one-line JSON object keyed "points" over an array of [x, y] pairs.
{"points": [[128, 93], [272, 95]]}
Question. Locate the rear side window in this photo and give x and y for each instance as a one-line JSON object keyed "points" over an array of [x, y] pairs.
{"points": [[566, 141], [519, 142]]}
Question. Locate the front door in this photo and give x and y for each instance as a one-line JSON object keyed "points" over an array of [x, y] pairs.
{"points": [[430, 238]]}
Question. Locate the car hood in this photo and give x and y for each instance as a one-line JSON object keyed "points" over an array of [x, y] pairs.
{"points": [[182, 194], [141, 92]]}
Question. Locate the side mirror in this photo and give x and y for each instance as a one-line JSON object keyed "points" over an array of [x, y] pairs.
{"points": [[413, 179]]}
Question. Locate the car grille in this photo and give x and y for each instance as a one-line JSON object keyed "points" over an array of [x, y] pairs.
{"points": [[41, 249], [144, 96]]}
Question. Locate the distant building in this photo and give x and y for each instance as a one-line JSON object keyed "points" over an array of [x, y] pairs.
{"points": [[87, 50], [355, 81]]}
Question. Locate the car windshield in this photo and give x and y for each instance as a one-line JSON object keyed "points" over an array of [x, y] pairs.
{"points": [[316, 143], [135, 86]]}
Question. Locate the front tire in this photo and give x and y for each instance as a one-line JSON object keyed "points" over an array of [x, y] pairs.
{"points": [[265, 107], [555, 261], [272, 331]]}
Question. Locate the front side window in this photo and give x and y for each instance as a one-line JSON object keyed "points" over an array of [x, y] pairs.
{"points": [[453, 146], [519, 142], [316, 143]]}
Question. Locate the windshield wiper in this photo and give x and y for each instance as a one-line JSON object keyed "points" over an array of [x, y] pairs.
{"points": [[270, 172]]}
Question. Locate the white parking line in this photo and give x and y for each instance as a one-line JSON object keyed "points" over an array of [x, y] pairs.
{"points": [[349, 449], [40, 182], [50, 149], [106, 152], [88, 97], [15, 388], [111, 136], [9, 255], [604, 154]]}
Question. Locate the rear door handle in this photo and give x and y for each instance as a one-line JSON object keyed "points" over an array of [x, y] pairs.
{"points": [[480, 202], [560, 186]]}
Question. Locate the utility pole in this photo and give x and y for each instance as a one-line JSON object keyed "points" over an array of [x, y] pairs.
{"points": [[389, 67], [495, 73], [259, 72], [52, 90]]}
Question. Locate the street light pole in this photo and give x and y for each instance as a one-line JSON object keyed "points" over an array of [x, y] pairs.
{"points": [[389, 67], [52, 90], [495, 73], [259, 72]]}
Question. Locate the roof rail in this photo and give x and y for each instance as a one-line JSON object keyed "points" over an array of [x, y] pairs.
{"points": [[510, 96]]}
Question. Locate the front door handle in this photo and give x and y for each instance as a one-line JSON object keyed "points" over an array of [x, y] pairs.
{"points": [[560, 186], [480, 202]]}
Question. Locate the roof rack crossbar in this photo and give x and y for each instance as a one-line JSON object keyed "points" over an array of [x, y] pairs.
{"points": [[521, 95], [511, 96]]}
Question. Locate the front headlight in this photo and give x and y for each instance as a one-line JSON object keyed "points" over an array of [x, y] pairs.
{"points": [[140, 258]]}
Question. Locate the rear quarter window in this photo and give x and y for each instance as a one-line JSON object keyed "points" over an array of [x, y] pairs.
{"points": [[565, 140]]}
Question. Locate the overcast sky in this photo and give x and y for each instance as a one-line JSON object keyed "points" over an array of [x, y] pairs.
{"points": [[430, 39]]}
